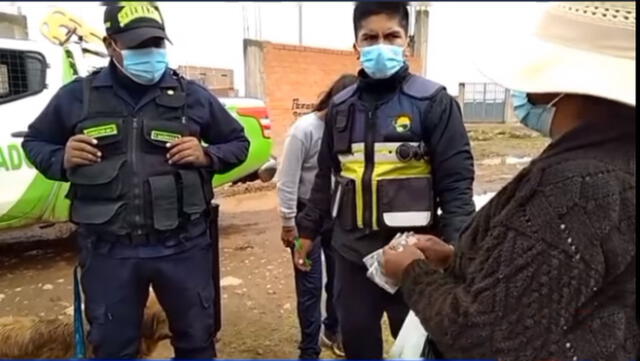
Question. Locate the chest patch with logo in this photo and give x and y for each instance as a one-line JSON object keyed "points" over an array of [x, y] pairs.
{"points": [[402, 123], [164, 136], [101, 131]]}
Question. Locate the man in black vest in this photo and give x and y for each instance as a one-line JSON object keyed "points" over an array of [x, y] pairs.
{"points": [[129, 138], [396, 145]]}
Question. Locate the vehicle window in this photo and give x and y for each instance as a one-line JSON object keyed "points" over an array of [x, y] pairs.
{"points": [[22, 73]]}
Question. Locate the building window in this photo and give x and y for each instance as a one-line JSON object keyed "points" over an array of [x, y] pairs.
{"points": [[22, 73]]}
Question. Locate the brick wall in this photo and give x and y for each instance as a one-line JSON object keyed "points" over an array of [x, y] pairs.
{"points": [[295, 77]]}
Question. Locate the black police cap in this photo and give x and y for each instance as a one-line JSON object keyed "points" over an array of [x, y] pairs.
{"points": [[132, 22]]}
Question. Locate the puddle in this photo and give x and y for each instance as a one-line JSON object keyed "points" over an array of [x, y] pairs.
{"points": [[505, 160]]}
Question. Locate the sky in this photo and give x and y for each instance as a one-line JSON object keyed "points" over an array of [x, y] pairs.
{"points": [[211, 33]]}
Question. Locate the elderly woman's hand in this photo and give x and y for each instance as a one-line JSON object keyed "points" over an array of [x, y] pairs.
{"points": [[395, 261], [438, 253]]}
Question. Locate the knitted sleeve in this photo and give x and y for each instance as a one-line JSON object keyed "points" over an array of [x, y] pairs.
{"points": [[527, 278], [505, 306]]}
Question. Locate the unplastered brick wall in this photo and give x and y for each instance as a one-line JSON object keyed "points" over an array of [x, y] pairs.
{"points": [[296, 76]]}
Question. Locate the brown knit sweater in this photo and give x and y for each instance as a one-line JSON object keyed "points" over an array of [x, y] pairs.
{"points": [[547, 269]]}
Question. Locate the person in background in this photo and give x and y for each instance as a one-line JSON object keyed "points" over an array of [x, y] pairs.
{"points": [[128, 138], [547, 269], [396, 145], [295, 179]]}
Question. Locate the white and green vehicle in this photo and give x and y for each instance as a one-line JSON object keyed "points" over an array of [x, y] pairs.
{"points": [[31, 71]]}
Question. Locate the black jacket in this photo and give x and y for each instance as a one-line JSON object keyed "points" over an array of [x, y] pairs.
{"points": [[451, 160]]}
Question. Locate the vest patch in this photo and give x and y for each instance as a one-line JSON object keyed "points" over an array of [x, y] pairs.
{"points": [[101, 131], [402, 123], [164, 136]]}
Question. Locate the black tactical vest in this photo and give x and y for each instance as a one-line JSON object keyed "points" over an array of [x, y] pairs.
{"points": [[134, 190], [385, 177]]}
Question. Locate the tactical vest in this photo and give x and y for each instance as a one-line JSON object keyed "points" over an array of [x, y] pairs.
{"points": [[384, 181], [134, 190]]}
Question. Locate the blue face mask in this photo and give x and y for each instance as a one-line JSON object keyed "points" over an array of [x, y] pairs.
{"points": [[382, 60], [534, 117], [145, 66]]}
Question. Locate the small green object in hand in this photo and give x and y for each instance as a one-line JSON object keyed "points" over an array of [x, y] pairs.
{"points": [[298, 246]]}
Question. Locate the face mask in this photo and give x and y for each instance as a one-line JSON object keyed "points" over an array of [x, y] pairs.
{"points": [[382, 60], [145, 66], [534, 117]]}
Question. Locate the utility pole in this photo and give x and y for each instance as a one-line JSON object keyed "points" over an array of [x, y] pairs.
{"points": [[421, 31], [18, 7], [245, 23], [299, 23], [259, 21]]}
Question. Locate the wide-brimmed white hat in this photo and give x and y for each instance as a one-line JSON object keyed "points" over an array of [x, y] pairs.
{"points": [[576, 48]]}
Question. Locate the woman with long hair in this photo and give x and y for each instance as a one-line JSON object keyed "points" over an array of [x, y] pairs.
{"points": [[295, 179]]}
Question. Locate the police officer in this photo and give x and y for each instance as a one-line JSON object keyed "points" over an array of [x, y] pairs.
{"points": [[129, 140], [398, 149]]}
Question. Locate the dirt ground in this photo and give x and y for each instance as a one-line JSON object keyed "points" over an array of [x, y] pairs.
{"points": [[259, 318]]}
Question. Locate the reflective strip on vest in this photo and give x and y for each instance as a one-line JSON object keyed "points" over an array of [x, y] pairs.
{"points": [[353, 168], [400, 219], [386, 166]]}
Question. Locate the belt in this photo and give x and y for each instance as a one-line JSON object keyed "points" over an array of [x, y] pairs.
{"points": [[169, 238]]}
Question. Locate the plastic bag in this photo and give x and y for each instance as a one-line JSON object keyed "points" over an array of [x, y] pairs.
{"points": [[375, 262], [376, 272], [411, 340]]}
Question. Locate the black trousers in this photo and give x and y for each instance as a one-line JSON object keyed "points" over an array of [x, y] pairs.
{"points": [[116, 291], [361, 305]]}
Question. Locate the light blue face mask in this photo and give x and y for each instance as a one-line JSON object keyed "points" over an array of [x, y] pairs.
{"points": [[145, 66], [381, 61], [534, 117]]}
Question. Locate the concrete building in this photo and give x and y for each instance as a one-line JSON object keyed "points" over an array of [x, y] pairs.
{"points": [[218, 81]]}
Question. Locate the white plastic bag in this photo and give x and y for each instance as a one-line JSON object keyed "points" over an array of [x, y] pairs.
{"points": [[410, 341]]}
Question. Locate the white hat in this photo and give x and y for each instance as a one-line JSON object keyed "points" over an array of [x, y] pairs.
{"points": [[577, 48]]}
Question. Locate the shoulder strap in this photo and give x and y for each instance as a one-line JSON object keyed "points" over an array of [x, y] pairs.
{"points": [[87, 81], [86, 95], [98, 100], [345, 94], [181, 83], [420, 88]]}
